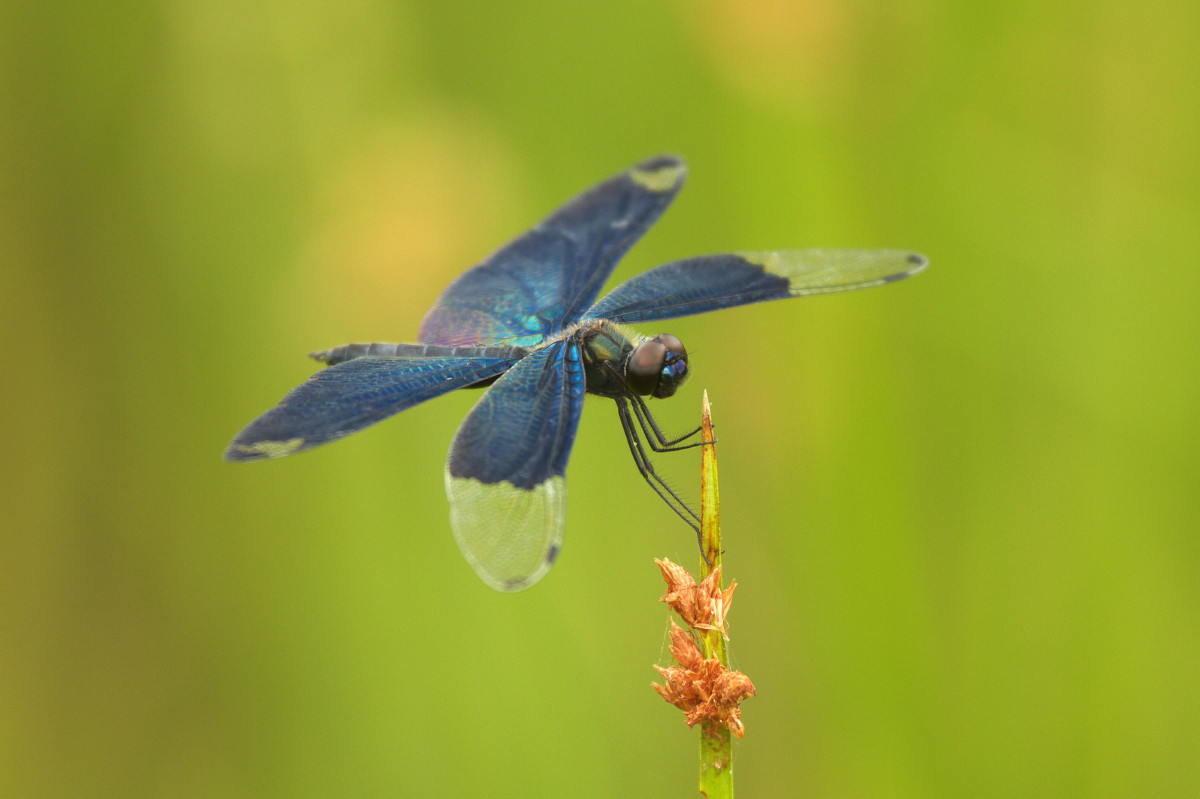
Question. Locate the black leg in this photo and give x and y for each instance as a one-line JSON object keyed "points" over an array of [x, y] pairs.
{"points": [[648, 424], [664, 491], [654, 434]]}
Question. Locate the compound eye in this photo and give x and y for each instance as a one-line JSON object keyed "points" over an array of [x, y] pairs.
{"points": [[674, 345], [645, 364], [674, 369]]}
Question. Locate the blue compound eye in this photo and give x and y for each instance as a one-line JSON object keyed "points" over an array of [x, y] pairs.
{"points": [[674, 368]]}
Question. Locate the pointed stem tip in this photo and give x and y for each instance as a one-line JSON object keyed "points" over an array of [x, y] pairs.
{"points": [[710, 495]]}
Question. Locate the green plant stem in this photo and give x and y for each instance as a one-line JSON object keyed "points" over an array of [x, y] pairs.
{"points": [[716, 741]]}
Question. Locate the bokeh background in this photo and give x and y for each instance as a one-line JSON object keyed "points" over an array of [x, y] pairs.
{"points": [[962, 509]]}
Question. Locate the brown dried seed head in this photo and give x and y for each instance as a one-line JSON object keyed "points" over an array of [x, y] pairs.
{"points": [[704, 689], [732, 687], [703, 606], [684, 649], [675, 575]]}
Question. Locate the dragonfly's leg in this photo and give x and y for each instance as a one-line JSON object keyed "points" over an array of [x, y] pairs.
{"points": [[664, 491], [654, 433]]}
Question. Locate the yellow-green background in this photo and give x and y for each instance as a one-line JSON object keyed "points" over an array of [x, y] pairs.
{"points": [[962, 509]]}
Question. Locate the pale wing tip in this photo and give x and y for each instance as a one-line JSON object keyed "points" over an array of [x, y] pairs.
{"points": [[511, 584], [516, 585], [507, 584], [660, 173], [239, 451], [510, 536], [661, 161], [914, 263]]}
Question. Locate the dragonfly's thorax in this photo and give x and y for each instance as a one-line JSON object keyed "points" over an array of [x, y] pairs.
{"points": [[618, 361]]}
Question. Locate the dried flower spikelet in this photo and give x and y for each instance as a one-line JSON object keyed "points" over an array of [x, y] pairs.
{"points": [[679, 689], [675, 575], [701, 687], [683, 595], [735, 725], [723, 708], [703, 606], [717, 601], [732, 687], [684, 649]]}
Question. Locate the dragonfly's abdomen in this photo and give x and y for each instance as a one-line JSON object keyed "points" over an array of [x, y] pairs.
{"points": [[348, 352]]}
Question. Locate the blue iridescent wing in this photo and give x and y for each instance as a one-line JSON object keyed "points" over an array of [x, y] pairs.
{"points": [[541, 282], [505, 473], [345, 398], [711, 282]]}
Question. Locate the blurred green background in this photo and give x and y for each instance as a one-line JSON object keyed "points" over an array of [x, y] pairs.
{"points": [[962, 509]]}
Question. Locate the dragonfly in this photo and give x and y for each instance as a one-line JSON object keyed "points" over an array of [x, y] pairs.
{"points": [[525, 325]]}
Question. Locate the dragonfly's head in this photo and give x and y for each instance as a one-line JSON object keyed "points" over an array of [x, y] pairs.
{"points": [[657, 366]]}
